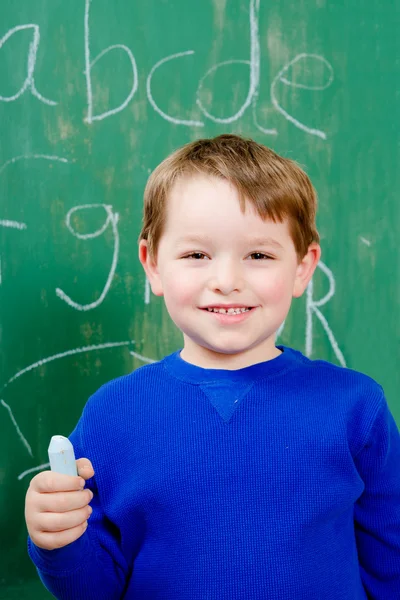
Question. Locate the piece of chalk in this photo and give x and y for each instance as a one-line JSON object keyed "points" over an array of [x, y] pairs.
{"points": [[62, 456]]}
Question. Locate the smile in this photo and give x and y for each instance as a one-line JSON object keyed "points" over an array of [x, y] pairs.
{"points": [[229, 311]]}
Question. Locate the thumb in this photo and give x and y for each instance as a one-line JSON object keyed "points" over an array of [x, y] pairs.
{"points": [[85, 469]]}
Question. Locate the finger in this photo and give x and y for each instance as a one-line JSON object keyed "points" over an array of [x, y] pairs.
{"points": [[85, 468], [61, 502], [49, 521], [49, 481], [51, 541]]}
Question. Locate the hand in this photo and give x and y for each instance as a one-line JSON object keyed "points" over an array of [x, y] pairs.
{"points": [[57, 507]]}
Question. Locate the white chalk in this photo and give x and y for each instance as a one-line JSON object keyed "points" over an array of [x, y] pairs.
{"points": [[62, 456]]}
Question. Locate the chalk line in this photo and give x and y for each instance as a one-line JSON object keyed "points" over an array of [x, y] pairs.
{"points": [[89, 64], [141, 357], [312, 307], [147, 291], [280, 77], [280, 330], [86, 236], [150, 98], [254, 66], [43, 361], [20, 434], [32, 156], [113, 219], [38, 468], [255, 120], [12, 224], [33, 48]]}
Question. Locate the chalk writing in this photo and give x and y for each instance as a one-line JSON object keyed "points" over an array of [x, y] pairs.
{"points": [[31, 156], [43, 361], [165, 116], [39, 363], [89, 65], [57, 357], [12, 224], [280, 77], [312, 307], [254, 80], [19, 432], [30, 80], [112, 218], [147, 291], [144, 359], [33, 470], [253, 63]]}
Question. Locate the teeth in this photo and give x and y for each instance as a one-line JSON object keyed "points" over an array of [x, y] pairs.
{"points": [[229, 311]]}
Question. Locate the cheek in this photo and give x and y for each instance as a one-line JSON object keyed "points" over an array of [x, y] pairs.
{"points": [[275, 287], [181, 288]]}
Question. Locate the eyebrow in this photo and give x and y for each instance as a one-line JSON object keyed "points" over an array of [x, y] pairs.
{"points": [[265, 241], [257, 241], [194, 239]]}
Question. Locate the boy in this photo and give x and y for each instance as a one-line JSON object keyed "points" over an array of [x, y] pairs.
{"points": [[233, 469]]}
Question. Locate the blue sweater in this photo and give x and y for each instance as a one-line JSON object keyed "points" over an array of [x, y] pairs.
{"points": [[279, 481]]}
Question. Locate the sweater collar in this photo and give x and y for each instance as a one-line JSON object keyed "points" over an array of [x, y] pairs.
{"points": [[194, 374]]}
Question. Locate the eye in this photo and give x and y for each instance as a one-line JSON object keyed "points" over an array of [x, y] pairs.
{"points": [[196, 256], [260, 256]]}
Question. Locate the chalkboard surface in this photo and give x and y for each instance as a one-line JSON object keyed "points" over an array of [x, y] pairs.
{"points": [[92, 96]]}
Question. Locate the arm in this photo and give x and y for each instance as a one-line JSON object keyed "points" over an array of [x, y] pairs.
{"points": [[87, 568], [93, 566], [377, 511]]}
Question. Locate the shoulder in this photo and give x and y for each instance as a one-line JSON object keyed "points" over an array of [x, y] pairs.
{"points": [[343, 379], [122, 390], [115, 407], [352, 398]]}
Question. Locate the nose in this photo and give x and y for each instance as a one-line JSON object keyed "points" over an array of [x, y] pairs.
{"points": [[226, 277]]}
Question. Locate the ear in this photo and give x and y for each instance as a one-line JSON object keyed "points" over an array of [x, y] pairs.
{"points": [[150, 266], [305, 269]]}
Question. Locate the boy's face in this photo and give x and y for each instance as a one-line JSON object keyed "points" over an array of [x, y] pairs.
{"points": [[212, 256]]}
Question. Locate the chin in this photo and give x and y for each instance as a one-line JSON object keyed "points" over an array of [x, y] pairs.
{"points": [[226, 351]]}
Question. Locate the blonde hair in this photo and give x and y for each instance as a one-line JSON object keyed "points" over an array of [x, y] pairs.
{"points": [[276, 187]]}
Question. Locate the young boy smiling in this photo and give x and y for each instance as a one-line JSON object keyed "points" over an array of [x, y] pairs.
{"points": [[233, 468], [226, 275]]}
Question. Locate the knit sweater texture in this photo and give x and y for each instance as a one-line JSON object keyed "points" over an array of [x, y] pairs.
{"points": [[278, 481]]}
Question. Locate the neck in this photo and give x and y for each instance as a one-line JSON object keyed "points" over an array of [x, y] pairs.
{"points": [[209, 359]]}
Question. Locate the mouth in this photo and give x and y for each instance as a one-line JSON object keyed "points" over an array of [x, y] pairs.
{"points": [[229, 311]]}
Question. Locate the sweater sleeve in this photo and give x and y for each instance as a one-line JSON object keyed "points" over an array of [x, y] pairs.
{"points": [[93, 567], [377, 511]]}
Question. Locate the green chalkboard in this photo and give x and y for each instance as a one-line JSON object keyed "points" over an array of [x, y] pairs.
{"points": [[92, 96]]}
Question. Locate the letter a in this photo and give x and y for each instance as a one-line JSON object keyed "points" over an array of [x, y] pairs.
{"points": [[29, 81]]}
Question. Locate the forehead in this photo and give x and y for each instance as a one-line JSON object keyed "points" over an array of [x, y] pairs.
{"points": [[210, 206], [195, 198]]}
